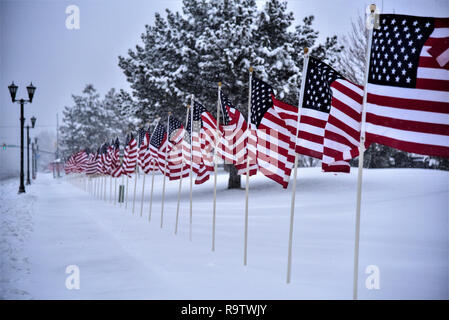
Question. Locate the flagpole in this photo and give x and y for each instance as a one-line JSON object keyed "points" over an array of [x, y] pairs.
{"points": [[93, 187], [361, 157], [143, 193], [245, 244], [151, 194], [191, 167], [126, 200], [110, 188], [216, 167], [153, 173], [295, 170], [136, 175], [97, 195], [180, 178], [115, 191], [165, 171], [100, 186], [123, 183], [105, 188]]}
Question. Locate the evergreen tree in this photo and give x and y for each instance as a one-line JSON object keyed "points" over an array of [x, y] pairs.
{"points": [[218, 40], [91, 121]]}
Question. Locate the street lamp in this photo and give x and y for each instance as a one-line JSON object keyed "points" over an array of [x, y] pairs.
{"points": [[33, 122], [13, 91], [35, 149]]}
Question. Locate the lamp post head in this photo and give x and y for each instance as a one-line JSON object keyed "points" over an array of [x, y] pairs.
{"points": [[33, 121], [12, 91], [31, 90]]}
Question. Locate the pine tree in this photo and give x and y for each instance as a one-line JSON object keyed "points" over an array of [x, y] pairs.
{"points": [[218, 40], [91, 120]]}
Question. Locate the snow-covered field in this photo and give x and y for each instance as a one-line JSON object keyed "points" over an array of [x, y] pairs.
{"points": [[404, 232]]}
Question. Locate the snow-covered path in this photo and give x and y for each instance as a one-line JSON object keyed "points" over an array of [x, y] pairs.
{"points": [[404, 231]]}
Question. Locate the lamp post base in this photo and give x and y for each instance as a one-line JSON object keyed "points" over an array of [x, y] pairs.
{"points": [[21, 189]]}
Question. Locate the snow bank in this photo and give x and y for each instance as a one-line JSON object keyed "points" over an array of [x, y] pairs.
{"points": [[404, 232]]}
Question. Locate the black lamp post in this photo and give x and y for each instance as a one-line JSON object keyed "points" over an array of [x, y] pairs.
{"points": [[34, 157], [33, 122], [13, 91]]}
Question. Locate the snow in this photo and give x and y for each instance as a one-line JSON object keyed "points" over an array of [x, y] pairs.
{"points": [[404, 231]]}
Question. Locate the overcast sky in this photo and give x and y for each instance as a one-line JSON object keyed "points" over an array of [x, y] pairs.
{"points": [[35, 45]]}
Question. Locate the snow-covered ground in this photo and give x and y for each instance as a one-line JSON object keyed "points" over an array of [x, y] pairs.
{"points": [[404, 232]]}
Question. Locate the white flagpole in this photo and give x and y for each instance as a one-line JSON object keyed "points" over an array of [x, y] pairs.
{"points": [[191, 167], [100, 186], [115, 191], [136, 176], [361, 156], [105, 187], [295, 170], [110, 188], [152, 179], [165, 171], [151, 194], [123, 184], [180, 178], [216, 167], [245, 244], [143, 193], [97, 185], [126, 197]]}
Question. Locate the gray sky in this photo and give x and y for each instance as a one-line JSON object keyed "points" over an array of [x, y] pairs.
{"points": [[35, 45]]}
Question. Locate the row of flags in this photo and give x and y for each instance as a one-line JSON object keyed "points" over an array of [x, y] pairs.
{"points": [[406, 108], [404, 104]]}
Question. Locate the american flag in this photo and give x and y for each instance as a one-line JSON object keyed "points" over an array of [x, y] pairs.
{"points": [[157, 138], [91, 167], [144, 140], [77, 162], [315, 108], [149, 163], [106, 163], [90, 160], [408, 83], [81, 161], [342, 130], [109, 156], [115, 154], [270, 141], [101, 159], [175, 160], [203, 135], [117, 168], [69, 165], [130, 156], [233, 139]]}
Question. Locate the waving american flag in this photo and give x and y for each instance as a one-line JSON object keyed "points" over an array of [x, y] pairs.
{"points": [[408, 83]]}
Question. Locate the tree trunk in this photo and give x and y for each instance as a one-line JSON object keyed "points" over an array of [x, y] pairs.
{"points": [[234, 178]]}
